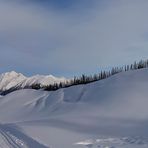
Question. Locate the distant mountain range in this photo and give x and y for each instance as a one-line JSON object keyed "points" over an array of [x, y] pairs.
{"points": [[13, 79]]}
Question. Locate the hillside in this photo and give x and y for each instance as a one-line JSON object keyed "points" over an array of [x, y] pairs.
{"points": [[110, 113]]}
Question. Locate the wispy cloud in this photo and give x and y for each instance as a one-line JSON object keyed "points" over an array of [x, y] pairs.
{"points": [[39, 39]]}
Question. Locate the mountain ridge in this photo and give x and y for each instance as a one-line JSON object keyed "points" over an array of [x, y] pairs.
{"points": [[13, 79]]}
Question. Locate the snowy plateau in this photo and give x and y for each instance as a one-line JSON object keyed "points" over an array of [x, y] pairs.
{"points": [[110, 113]]}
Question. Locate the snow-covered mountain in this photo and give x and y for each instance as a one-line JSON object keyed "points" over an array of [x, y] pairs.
{"points": [[111, 113], [12, 79]]}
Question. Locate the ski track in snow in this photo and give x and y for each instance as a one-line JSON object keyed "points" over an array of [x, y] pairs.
{"points": [[12, 137]]}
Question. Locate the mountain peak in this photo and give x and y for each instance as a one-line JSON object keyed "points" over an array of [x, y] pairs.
{"points": [[12, 73]]}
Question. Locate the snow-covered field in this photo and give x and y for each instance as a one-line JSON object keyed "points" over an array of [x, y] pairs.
{"points": [[110, 113]]}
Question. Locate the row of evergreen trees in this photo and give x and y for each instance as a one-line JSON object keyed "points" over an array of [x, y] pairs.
{"points": [[84, 79]]}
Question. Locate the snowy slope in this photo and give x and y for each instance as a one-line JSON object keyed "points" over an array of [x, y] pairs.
{"points": [[109, 113], [12, 79]]}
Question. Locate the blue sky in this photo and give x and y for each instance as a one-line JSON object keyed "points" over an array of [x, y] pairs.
{"points": [[71, 37]]}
